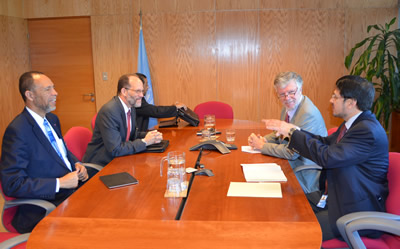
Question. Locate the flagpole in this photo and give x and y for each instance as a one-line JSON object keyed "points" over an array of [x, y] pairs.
{"points": [[140, 21]]}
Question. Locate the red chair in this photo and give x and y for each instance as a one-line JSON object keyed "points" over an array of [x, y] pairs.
{"points": [[332, 130], [77, 139], [219, 109], [13, 239], [93, 121], [388, 222]]}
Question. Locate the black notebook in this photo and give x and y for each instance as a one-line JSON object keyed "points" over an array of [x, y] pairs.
{"points": [[118, 180], [160, 147]]}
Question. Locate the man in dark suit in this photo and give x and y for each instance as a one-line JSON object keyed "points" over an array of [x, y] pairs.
{"points": [[354, 158], [35, 163], [115, 133], [146, 110]]}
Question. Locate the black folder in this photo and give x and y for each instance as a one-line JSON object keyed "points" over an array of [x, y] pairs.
{"points": [[160, 147], [118, 180]]}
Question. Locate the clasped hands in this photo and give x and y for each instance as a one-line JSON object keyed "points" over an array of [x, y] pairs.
{"points": [[153, 137], [71, 180], [256, 141]]}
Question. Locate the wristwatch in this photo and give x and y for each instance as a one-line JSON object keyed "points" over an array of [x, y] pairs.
{"points": [[292, 130]]}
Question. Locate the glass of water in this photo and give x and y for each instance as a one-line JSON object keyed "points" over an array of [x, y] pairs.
{"points": [[230, 135]]}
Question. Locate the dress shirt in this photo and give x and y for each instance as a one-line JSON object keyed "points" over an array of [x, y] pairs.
{"points": [[39, 120]]}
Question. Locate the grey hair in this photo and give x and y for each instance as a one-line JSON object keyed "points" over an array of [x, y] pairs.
{"points": [[283, 79]]}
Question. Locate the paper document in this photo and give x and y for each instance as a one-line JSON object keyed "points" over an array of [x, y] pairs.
{"points": [[249, 149], [252, 189], [263, 172]]}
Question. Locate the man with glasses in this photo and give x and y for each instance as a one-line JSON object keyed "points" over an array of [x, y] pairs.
{"points": [[147, 111], [300, 111], [354, 158], [115, 133]]}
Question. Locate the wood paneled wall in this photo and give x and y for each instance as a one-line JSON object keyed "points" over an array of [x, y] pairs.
{"points": [[14, 60], [226, 50]]}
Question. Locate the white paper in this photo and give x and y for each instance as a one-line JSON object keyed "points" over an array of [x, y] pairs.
{"points": [[246, 189], [263, 172], [249, 149]]}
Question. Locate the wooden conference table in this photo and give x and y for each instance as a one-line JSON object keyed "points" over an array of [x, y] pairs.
{"points": [[138, 216]]}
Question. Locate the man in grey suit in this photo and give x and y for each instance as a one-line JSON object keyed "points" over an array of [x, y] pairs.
{"points": [[300, 111], [115, 133]]}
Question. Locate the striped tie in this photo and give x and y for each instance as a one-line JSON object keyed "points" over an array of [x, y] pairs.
{"points": [[51, 138]]}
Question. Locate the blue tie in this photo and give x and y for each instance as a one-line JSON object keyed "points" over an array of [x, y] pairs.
{"points": [[51, 138]]}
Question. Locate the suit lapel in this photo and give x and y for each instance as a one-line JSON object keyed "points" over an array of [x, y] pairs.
{"points": [[37, 131], [298, 110]]}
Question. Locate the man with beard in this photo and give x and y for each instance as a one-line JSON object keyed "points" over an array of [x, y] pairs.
{"points": [[115, 133], [35, 163], [355, 158], [298, 110]]}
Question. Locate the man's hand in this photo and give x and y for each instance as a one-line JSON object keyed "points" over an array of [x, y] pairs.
{"points": [[153, 137], [256, 141], [70, 180], [82, 172], [280, 127], [180, 105]]}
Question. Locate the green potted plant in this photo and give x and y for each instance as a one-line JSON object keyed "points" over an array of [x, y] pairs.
{"points": [[379, 63]]}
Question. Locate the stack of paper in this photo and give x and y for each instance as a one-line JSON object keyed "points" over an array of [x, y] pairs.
{"points": [[251, 189], [249, 149], [263, 172]]}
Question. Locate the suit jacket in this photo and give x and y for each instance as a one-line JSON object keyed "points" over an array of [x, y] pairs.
{"points": [[108, 140], [356, 166], [30, 166], [146, 111], [307, 117]]}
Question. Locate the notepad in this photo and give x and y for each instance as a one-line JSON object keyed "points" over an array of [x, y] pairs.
{"points": [[249, 149], [118, 180], [252, 189], [263, 172]]}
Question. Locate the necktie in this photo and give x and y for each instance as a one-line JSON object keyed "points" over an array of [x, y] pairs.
{"points": [[51, 138], [128, 117], [287, 118], [343, 130]]}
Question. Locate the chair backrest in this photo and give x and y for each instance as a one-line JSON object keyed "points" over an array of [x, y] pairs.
{"points": [[8, 213], [77, 139], [93, 121], [332, 130], [219, 109], [393, 200]]}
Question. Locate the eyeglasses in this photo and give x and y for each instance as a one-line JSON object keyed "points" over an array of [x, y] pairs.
{"points": [[336, 97], [136, 91], [288, 94]]}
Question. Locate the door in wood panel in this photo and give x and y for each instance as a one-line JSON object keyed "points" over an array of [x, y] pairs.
{"points": [[62, 49]]}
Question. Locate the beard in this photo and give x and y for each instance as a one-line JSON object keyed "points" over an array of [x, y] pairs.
{"points": [[46, 107]]}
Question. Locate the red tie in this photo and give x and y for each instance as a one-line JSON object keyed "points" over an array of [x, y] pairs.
{"points": [[341, 133], [287, 118], [128, 132]]}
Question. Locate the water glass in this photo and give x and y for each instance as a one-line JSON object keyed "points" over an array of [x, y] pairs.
{"points": [[230, 135], [209, 123]]}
